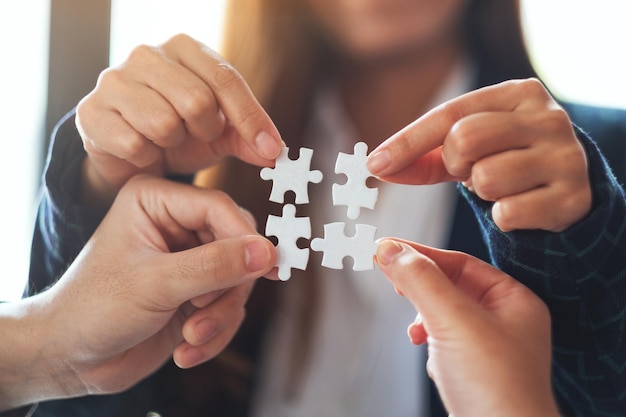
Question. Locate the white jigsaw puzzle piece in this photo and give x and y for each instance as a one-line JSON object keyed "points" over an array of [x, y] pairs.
{"points": [[336, 246], [288, 229], [294, 175], [354, 193]]}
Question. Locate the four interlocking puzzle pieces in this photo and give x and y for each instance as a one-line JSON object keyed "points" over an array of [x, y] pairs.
{"points": [[295, 175]]}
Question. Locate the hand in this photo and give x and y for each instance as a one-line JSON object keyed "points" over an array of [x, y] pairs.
{"points": [[488, 336], [175, 108], [169, 260], [509, 143]]}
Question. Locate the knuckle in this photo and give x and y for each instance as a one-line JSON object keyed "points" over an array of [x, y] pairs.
{"points": [[133, 147], [530, 87], [83, 106], [505, 216], [84, 109], [216, 129], [422, 263], [575, 205], [247, 114], [461, 138], [483, 181], [109, 78], [459, 148], [226, 76], [222, 199], [196, 104], [451, 112], [216, 262], [554, 120], [143, 53], [195, 335], [163, 128], [90, 144], [179, 39]]}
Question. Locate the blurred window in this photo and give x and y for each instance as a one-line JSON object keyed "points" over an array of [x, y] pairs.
{"points": [[23, 85], [578, 48]]}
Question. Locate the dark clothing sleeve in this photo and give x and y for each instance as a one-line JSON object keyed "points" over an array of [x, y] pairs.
{"points": [[27, 411], [63, 226], [581, 275]]}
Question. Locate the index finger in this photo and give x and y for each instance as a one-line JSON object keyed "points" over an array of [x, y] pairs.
{"points": [[214, 266], [438, 272], [173, 206], [419, 141], [233, 95], [423, 283]]}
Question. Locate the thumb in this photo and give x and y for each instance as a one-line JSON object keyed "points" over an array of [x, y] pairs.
{"points": [[221, 264], [418, 278]]}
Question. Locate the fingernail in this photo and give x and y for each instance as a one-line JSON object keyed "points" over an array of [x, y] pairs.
{"points": [[257, 255], [378, 161], [387, 250], [412, 331], [268, 146]]}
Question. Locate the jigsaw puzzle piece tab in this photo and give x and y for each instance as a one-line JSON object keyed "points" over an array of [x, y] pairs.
{"points": [[336, 245]]}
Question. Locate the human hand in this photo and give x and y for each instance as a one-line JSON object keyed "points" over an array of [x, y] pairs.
{"points": [[171, 109], [489, 349], [509, 143], [168, 270]]}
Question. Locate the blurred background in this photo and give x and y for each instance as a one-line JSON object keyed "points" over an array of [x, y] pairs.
{"points": [[53, 50]]}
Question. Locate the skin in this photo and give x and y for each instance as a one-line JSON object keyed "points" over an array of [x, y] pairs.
{"points": [[393, 57], [167, 272], [179, 107], [509, 143], [171, 109], [480, 325], [368, 30]]}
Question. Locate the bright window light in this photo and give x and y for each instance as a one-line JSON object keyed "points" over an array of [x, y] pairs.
{"points": [[578, 48], [575, 44], [152, 22], [23, 80]]}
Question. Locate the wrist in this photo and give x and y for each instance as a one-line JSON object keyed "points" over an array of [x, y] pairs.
{"points": [[95, 191], [30, 371], [537, 408]]}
